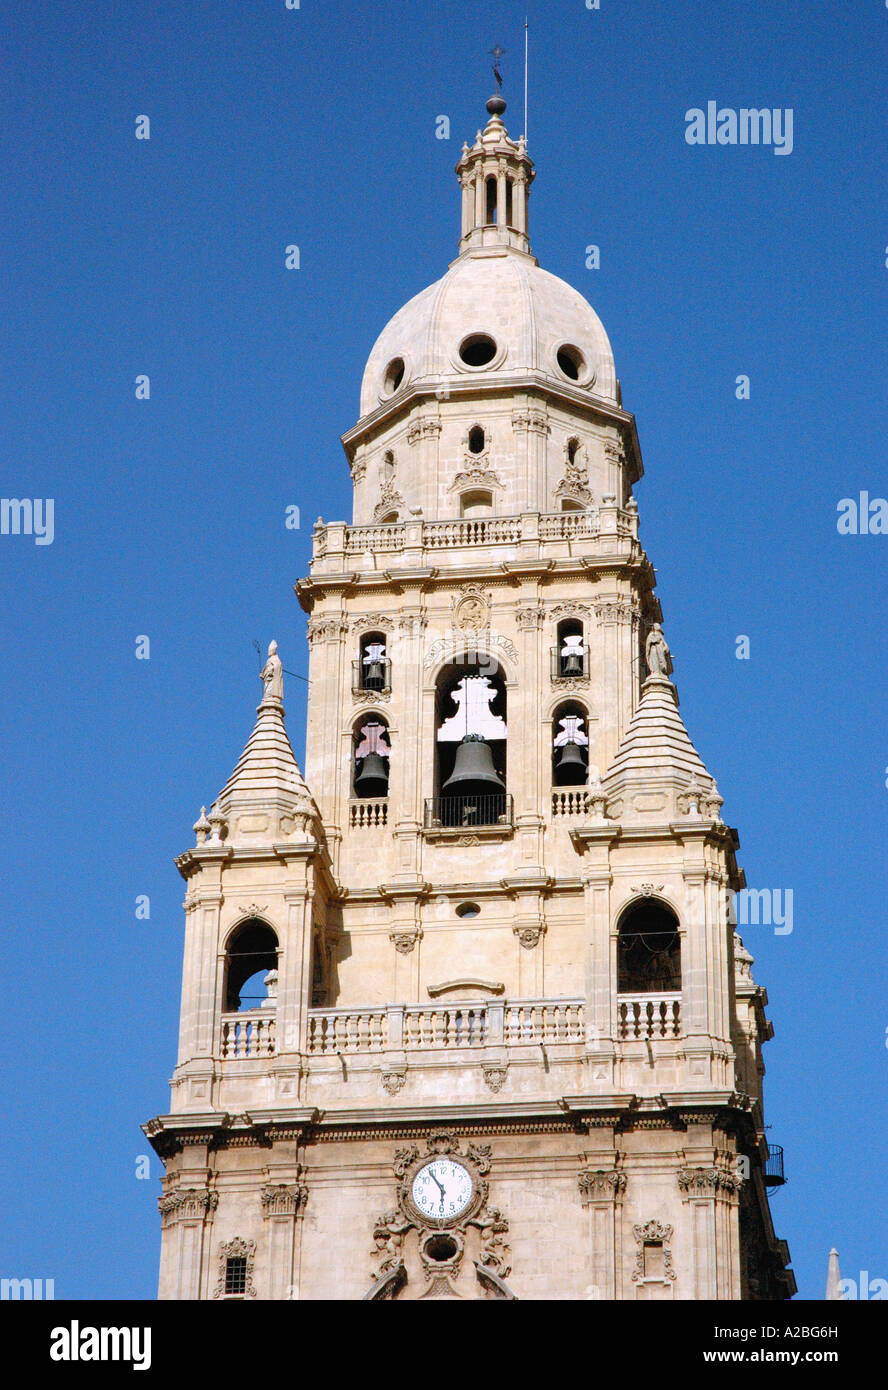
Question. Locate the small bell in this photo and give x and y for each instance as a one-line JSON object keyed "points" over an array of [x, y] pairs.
{"points": [[372, 780], [572, 657]]}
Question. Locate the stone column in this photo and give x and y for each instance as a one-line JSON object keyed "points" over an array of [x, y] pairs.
{"points": [[601, 1191], [709, 1193], [186, 1220], [282, 1205]]}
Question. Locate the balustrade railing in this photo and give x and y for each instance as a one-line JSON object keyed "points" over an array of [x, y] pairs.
{"points": [[572, 801], [466, 812], [532, 1020], [427, 1027], [648, 1016], [367, 814], [248, 1034], [481, 530]]}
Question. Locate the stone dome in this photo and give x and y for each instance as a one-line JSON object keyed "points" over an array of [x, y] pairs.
{"points": [[495, 312]]}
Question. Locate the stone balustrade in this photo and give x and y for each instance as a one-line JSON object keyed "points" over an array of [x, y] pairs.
{"points": [[248, 1034], [648, 1016], [335, 542], [430, 1027]]}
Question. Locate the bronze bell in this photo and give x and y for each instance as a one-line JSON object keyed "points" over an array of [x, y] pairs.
{"points": [[372, 780], [473, 771], [572, 664], [570, 769], [375, 676]]}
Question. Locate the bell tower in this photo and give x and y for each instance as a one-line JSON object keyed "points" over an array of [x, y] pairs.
{"points": [[469, 993]]}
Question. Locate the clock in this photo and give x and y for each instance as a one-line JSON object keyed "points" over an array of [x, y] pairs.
{"points": [[442, 1189]]}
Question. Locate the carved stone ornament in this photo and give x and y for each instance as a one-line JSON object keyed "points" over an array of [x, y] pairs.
{"points": [[393, 1078], [569, 610], [455, 648], [358, 469], [390, 500], [470, 608], [283, 1199], [647, 890], [186, 1204], [616, 611], [653, 1231], [494, 1076], [440, 1270], [423, 428], [371, 697], [598, 1185], [236, 1250], [533, 420], [373, 622], [529, 619], [474, 477], [529, 934], [706, 1182], [404, 940]]}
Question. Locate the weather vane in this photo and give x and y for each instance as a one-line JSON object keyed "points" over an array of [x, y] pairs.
{"points": [[496, 54]]}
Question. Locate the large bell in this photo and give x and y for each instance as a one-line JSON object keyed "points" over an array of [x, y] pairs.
{"points": [[372, 780], [570, 769], [473, 771]]}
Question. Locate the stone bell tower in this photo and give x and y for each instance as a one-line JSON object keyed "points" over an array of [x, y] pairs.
{"points": [[463, 1012]]}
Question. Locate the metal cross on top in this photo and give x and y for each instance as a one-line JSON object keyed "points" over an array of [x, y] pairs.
{"points": [[496, 53]]}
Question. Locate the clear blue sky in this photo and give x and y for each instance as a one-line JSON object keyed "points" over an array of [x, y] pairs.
{"points": [[316, 126]]}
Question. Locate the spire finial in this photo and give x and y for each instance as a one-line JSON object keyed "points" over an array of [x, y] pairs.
{"points": [[495, 104]]}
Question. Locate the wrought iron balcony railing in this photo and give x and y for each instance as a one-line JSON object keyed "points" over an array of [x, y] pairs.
{"points": [[468, 812], [774, 1167]]}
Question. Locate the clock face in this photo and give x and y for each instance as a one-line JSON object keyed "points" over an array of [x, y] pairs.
{"points": [[442, 1189]]}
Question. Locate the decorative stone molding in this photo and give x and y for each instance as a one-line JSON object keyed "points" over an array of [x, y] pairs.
{"points": [[474, 477], [614, 452], [653, 1231], [233, 1250], [647, 890], [358, 469], [326, 629], [616, 611], [598, 1185], [570, 682], [186, 1204], [706, 1182], [371, 697], [423, 428], [569, 610], [371, 622], [404, 939], [529, 619], [494, 1075], [390, 499], [393, 1078], [283, 1199], [534, 421], [529, 934], [455, 647]]}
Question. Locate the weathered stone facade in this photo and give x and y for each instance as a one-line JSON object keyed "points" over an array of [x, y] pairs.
{"points": [[548, 997]]}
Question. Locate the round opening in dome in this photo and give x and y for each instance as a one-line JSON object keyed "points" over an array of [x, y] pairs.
{"points": [[468, 910], [394, 375], [477, 350], [571, 361]]}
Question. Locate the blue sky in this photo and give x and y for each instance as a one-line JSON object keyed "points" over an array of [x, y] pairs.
{"points": [[317, 127]]}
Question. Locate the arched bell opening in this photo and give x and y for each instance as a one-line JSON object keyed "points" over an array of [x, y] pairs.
{"points": [[490, 201], [251, 960], [570, 655], [476, 440], [570, 745], [470, 743], [648, 949], [372, 669], [370, 759]]}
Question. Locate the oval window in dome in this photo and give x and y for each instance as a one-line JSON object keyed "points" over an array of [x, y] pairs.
{"points": [[394, 375], [477, 350], [571, 361]]}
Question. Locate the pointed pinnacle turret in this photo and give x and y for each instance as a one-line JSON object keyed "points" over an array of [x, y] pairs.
{"points": [[495, 176], [657, 771], [267, 783], [834, 1279]]}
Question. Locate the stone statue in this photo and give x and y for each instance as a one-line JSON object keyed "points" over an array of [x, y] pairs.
{"points": [[659, 661], [272, 675]]}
